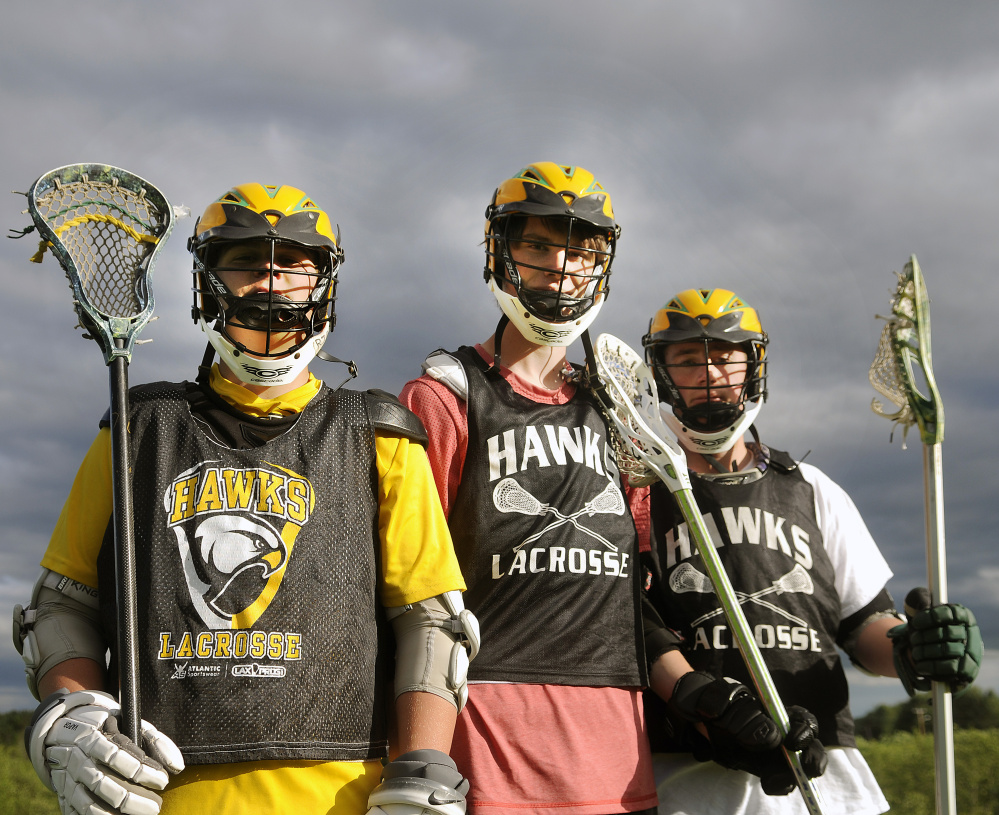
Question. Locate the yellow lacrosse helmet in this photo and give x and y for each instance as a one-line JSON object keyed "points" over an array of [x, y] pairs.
{"points": [[572, 201], [274, 215], [546, 189], [266, 211], [708, 315], [716, 314]]}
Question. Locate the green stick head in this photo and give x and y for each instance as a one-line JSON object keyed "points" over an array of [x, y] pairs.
{"points": [[105, 226], [902, 370]]}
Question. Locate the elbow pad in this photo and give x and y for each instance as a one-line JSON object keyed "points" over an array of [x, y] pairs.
{"points": [[61, 622], [436, 639]]}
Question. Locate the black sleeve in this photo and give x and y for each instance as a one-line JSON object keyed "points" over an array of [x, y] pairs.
{"points": [[387, 413], [659, 638]]}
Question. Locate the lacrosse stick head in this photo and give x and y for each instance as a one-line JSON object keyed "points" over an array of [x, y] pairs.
{"points": [[609, 501], [627, 393], [902, 370], [105, 225], [509, 496]]}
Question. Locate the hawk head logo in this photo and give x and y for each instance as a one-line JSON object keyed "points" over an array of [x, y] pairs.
{"points": [[238, 555]]}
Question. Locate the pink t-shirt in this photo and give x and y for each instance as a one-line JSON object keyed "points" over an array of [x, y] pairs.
{"points": [[538, 749]]}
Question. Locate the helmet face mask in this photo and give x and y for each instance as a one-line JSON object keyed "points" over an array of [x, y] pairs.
{"points": [[265, 275], [283, 322], [550, 242], [708, 352]]}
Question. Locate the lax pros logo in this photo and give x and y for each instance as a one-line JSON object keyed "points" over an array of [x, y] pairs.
{"points": [[236, 529]]}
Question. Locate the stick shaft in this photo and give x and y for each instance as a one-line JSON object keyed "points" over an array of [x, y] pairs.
{"points": [[743, 636], [124, 539], [936, 568]]}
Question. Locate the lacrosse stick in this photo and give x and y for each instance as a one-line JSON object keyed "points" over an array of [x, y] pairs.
{"points": [[105, 227], [609, 501], [902, 359], [630, 400], [796, 581], [685, 579], [742, 598], [509, 496]]}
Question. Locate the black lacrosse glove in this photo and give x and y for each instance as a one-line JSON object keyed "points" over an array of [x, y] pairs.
{"points": [[727, 707], [938, 644], [741, 736], [771, 766]]}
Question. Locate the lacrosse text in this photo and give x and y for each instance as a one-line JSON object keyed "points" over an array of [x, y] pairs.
{"points": [[231, 645], [561, 559], [784, 637]]}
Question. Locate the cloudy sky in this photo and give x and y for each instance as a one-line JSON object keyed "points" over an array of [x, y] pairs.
{"points": [[795, 151]]}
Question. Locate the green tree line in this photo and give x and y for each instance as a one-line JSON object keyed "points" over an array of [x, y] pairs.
{"points": [[973, 710]]}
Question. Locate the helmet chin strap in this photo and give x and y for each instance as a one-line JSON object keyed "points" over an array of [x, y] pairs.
{"points": [[351, 367], [716, 465], [497, 341], [205, 368]]}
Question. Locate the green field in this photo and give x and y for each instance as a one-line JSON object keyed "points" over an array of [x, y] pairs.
{"points": [[23, 793], [903, 765]]}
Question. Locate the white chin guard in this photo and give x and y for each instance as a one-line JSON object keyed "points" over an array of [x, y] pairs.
{"points": [[711, 444], [538, 331], [264, 371]]}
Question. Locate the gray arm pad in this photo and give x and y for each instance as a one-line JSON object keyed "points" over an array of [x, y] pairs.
{"points": [[435, 640], [62, 622]]}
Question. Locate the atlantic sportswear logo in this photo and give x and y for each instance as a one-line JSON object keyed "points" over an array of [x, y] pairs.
{"points": [[236, 530], [185, 670]]}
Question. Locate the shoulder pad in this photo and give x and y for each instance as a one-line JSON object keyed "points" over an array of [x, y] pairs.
{"points": [[138, 391], [782, 461], [449, 371], [387, 413]]}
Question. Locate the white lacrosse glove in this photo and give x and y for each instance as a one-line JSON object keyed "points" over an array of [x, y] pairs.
{"points": [[78, 751], [420, 782]]}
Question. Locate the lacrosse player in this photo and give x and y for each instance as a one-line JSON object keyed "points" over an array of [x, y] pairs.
{"points": [[283, 529], [539, 517], [805, 569]]}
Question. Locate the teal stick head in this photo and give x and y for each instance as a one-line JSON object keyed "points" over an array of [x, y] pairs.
{"points": [[105, 226]]}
